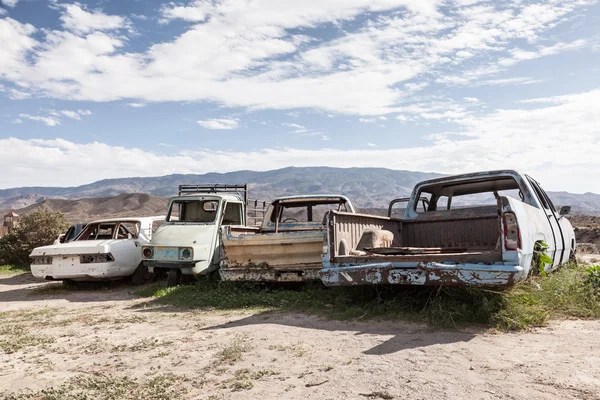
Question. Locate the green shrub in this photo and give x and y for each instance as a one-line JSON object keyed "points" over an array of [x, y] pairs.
{"points": [[40, 228]]}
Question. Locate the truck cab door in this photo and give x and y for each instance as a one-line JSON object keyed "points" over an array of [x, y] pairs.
{"points": [[556, 250]]}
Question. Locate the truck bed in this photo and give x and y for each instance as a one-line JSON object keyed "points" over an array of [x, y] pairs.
{"points": [[426, 250]]}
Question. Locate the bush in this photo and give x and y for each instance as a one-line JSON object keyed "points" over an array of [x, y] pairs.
{"points": [[40, 228]]}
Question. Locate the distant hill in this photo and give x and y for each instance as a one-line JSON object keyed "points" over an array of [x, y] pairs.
{"points": [[367, 187], [21, 201], [122, 205]]}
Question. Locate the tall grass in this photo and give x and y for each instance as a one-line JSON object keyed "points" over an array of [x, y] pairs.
{"points": [[567, 293]]}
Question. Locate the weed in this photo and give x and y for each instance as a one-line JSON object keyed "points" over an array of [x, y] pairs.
{"points": [[101, 387], [243, 384], [14, 269], [233, 352], [14, 337], [593, 278], [567, 292], [141, 345], [326, 368]]}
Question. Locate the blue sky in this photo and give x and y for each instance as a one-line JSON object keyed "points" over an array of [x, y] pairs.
{"points": [[116, 88]]}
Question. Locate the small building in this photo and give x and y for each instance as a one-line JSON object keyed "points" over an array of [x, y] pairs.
{"points": [[11, 220]]}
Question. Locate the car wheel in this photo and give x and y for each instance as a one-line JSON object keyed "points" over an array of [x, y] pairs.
{"points": [[141, 275], [173, 277], [69, 283]]}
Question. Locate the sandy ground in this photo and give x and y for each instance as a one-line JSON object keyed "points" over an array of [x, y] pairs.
{"points": [[52, 339]]}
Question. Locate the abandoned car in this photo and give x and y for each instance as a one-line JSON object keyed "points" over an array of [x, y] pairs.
{"points": [[188, 243], [105, 250], [70, 235], [480, 229], [288, 246]]}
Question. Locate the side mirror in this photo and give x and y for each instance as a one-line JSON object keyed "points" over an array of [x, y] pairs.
{"points": [[564, 210], [62, 238]]}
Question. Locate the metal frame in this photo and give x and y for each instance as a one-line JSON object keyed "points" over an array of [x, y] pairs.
{"points": [[216, 188]]}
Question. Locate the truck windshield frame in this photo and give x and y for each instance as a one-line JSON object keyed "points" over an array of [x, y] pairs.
{"points": [[194, 211], [441, 195]]}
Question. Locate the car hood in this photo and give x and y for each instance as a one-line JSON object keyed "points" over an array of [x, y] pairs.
{"points": [[77, 248], [185, 235]]}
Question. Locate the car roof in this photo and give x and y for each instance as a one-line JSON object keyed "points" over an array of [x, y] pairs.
{"points": [[472, 175], [316, 197], [129, 219], [224, 196]]}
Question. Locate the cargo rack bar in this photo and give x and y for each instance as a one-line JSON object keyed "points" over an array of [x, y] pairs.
{"points": [[215, 188]]}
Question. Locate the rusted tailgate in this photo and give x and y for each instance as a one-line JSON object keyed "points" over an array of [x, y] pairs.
{"points": [[282, 256]]}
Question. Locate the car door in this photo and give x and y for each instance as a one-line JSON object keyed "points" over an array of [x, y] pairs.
{"points": [[565, 240], [127, 246], [556, 249]]}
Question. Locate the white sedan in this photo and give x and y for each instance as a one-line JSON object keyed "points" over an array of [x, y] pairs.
{"points": [[105, 250]]}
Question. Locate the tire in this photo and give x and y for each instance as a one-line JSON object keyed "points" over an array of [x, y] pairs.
{"points": [[174, 277], [69, 283], [142, 276]]}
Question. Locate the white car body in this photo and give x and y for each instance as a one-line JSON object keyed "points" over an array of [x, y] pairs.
{"points": [[103, 258], [199, 239]]}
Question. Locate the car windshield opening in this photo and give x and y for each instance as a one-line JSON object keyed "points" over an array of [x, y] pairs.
{"points": [[307, 212], [200, 211]]}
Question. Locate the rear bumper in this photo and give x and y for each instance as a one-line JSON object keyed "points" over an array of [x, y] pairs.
{"points": [[186, 267], [269, 275], [92, 271], [426, 274]]}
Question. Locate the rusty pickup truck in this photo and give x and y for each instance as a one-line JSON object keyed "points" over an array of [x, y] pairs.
{"points": [[287, 247], [481, 229]]}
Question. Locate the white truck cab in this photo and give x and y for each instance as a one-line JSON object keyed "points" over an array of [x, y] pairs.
{"points": [[188, 242]]}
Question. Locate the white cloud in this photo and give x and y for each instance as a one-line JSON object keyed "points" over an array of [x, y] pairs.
{"points": [[219, 123], [136, 105], [324, 137], [413, 87], [16, 121], [532, 140], [76, 19], [10, 3], [286, 124], [15, 94], [74, 114], [252, 55], [471, 99], [196, 12], [3, 11], [518, 55], [50, 121], [367, 120], [509, 81], [371, 145]]}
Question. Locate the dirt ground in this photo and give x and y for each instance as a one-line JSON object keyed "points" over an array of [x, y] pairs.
{"points": [[111, 344]]}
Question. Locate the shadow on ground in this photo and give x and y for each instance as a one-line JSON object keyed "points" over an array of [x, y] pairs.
{"points": [[405, 335]]}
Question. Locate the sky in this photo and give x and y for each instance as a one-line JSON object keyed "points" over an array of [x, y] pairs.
{"points": [[121, 88]]}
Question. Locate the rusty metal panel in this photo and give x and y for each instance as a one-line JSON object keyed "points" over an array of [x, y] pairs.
{"points": [[425, 273], [481, 233], [283, 256], [350, 227]]}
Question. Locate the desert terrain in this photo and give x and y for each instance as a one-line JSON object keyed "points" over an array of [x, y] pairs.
{"points": [[112, 344]]}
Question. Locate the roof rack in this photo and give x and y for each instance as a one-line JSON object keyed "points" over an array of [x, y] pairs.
{"points": [[216, 188]]}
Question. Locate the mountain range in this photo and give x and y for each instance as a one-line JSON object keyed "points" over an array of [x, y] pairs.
{"points": [[366, 187]]}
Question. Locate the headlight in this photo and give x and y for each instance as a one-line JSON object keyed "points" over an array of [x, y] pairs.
{"points": [[95, 258], [186, 253], [147, 252], [41, 260]]}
